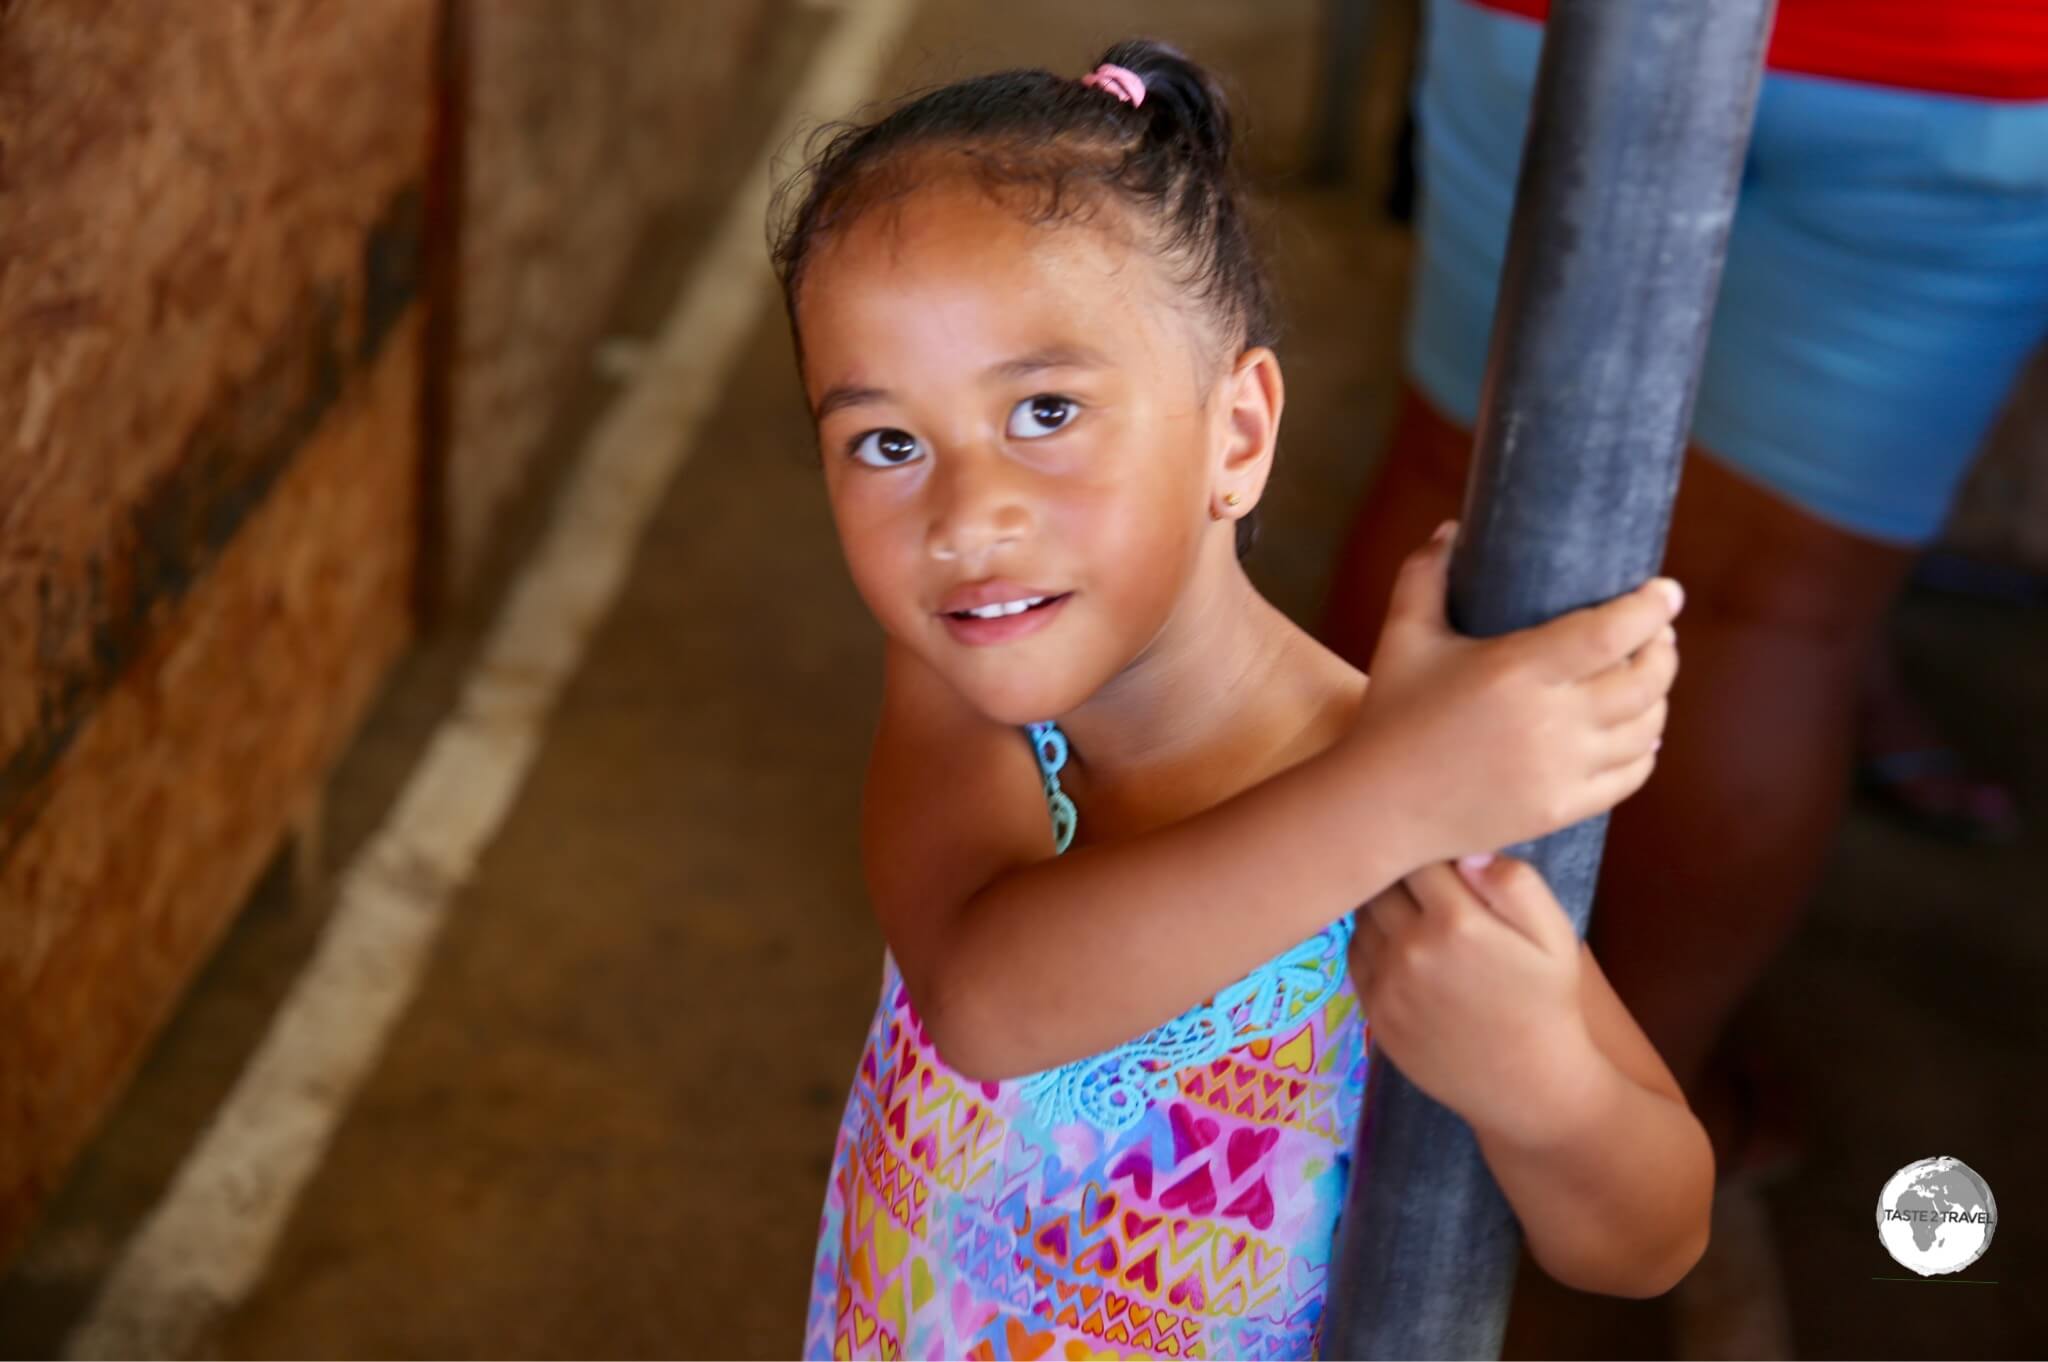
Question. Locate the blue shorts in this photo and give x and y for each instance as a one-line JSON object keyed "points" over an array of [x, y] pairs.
{"points": [[1887, 273]]}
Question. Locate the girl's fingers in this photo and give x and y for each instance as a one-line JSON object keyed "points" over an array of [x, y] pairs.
{"points": [[1631, 741], [1435, 888], [1587, 642], [1368, 945], [1418, 594], [1393, 910], [1632, 685], [1619, 782], [1516, 892]]}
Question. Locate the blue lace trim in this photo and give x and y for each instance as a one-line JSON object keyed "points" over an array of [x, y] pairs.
{"points": [[1049, 745], [1113, 1090]]}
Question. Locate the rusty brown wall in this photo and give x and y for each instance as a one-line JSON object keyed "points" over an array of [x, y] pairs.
{"points": [[217, 360], [210, 215], [586, 121]]}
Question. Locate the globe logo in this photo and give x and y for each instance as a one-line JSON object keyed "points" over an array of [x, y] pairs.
{"points": [[1936, 1216]]}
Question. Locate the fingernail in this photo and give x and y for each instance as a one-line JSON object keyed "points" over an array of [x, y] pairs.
{"points": [[1443, 531], [1657, 744], [1673, 592], [1476, 862]]}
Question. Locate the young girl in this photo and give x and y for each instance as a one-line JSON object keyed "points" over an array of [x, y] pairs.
{"points": [[1121, 811]]}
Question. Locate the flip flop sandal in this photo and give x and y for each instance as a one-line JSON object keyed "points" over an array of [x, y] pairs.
{"points": [[1985, 817]]}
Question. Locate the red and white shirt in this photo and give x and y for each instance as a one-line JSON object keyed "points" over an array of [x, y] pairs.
{"points": [[1989, 49]]}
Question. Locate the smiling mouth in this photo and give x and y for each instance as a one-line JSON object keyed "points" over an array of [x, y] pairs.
{"points": [[1008, 608]]}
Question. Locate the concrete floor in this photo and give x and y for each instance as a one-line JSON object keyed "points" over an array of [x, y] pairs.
{"points": [[602, 1128]]}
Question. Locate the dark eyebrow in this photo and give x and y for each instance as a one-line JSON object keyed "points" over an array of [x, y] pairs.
{"points": [[1068, 355], [845, 396], [1063, 356]]}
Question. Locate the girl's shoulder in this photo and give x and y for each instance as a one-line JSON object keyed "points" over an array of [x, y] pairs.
{"points": [[1302, 709], [952, 800]]}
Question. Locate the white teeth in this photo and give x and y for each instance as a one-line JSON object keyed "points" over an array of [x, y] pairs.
{"points": [[991, 612]]}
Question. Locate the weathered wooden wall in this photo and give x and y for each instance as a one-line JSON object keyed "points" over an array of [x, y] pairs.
{"points": [[210, 218], [291, 292], [585, 122]]}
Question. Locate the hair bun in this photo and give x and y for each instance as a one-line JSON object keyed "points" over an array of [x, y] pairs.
{"points": [[1185, 104]]}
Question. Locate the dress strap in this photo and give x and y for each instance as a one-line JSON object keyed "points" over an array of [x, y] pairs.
{"points": [[1049, 745]]}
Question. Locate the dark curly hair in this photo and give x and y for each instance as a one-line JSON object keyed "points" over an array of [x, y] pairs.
{"points": [[1071, 148]]}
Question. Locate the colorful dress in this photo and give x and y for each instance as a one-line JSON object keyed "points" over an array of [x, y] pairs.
{"points": [[1174, 1197]]}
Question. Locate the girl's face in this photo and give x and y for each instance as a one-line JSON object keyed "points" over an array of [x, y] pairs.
{"points": [[1014, 416]]}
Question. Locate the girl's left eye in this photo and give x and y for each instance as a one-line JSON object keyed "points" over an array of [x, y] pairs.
{"points": [[1036, 417]]}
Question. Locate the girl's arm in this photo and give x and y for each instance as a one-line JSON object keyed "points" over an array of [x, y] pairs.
{"points": [[1019, 960], [1479, 991], [1616, 1196]]}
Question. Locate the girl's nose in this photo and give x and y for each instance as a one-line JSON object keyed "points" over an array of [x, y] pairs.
{"points": [[978, 513]]}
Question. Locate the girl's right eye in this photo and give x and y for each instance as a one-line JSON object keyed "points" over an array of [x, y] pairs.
{"points": [[886, 448]]}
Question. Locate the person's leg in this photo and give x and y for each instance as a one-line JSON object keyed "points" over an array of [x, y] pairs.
{"points": [[1887, 273], [1476, 72], [1707, 866], [1887, 277], [1905, 760], [1419, 485]]}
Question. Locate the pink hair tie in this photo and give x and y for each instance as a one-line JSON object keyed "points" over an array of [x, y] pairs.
{"points": [[1120, 81]]}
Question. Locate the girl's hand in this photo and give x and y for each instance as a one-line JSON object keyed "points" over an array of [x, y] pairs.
{"points": [[1469, 978], [1497, 741]]}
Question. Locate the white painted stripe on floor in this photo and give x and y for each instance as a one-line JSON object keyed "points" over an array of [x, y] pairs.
{"points": [[206, 1244], [1732, 1305]]}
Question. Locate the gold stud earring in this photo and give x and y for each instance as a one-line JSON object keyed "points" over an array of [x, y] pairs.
{"points": [[1230, 498]]}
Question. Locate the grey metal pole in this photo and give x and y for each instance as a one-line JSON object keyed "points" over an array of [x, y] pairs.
{"points": [[1639, 126]]}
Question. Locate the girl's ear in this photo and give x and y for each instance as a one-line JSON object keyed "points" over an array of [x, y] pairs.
{"points": [[1249, 413]]}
